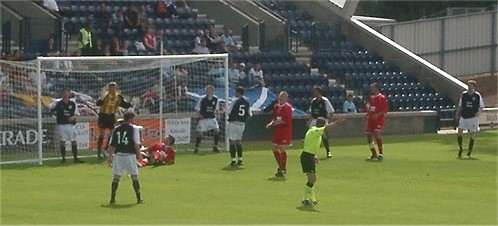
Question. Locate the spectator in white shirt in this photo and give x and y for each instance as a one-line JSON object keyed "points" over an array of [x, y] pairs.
{"points": [[198, 38], [230, 45], [255, 76], [348, 106], [201, 49]]}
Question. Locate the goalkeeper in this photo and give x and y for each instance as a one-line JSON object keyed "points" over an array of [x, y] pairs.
{"points": [[159, 154], [109, 103]]}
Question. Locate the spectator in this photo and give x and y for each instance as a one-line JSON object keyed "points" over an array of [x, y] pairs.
{"points": [[103, 19], [348, 106], [230, 45], [115, 47], [214, 42], [198, 38], [149, 40], [217, 73], [233, 74], [65, 65], [51, 50], [202, 48], [148, 98], [118, 21], [255, 77], [33, 77], [132, 20], [167, 9], [142, 14], [85, 40], [98, 50]]}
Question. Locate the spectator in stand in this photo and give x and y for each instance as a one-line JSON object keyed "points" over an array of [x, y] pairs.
{"points": [[115, 47], [132, 20], [183, 100], [85, 40], [167, 9], [198, 38], [214, 41], [148, 98], [348, 106], [217, 74], [149, 40], [33, 77], [230, 45], [118, 21], [98, 50], [51, 50], [255, 77], [103, 20], [233, 74], [142, 14], [202, 49], [66, 65]]}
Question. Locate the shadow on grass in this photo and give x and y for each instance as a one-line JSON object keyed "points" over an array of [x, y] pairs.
{"points": [[277, 179], [307, 209], [232, 168], [118, 206]]}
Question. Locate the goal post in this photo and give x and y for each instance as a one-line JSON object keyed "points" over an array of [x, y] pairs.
{"points": [[162, 89]]}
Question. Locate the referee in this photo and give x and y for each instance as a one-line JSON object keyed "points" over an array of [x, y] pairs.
{"points": [[309, 160], [207, 109], [321, 107], [124, 151], [109, 104], [467, 113], [239, 112], [66, 110]]}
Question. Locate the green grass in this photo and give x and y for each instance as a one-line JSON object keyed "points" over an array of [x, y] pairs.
{"points": [[420, 182]]}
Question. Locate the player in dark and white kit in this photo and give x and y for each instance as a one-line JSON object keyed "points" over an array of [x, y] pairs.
{"points": [[66, 110], [208, 114], [239, 112], [321, 107], [124, 153], [468, 111]]}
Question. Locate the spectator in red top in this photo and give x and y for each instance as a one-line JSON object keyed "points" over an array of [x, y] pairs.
{"points": [[149, 40], [148, 98]]}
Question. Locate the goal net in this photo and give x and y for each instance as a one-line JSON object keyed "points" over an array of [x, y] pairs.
{"points": [[162, 89]]}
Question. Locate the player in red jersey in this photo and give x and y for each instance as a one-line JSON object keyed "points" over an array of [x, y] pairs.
{"points": [[375, 118], [282, 135], [159, 154]]}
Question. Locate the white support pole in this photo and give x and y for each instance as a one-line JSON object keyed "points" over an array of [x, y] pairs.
{"points": [[161, 95], [227, 88], [39, 105]]}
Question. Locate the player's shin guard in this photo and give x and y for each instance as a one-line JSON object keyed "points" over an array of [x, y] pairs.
{"points": [[100, 140], [63, 151], [232, 152], [460, 145], [379, 145], [114, 188], [74, 150], [136, 187], [239, 151], [326, 143], [216, 139], [471, 146]]}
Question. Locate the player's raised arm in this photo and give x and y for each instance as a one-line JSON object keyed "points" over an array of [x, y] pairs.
{"points": [[52, 105], [123, 103]]}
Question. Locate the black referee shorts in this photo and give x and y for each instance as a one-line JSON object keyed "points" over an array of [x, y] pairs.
{"points": [[308, 162], [106, 121]]}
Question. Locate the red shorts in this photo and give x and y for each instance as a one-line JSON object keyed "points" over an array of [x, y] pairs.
{"points": [[375, 125], [282, 136]]}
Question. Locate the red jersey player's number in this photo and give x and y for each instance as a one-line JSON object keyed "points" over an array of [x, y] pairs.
{"points": [[122, 139], [242, 110]]}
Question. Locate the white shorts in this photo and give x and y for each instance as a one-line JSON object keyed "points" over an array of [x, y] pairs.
{"points": [[207, 124], [470, 124], [236, 130], [67, 132], [124, 162], [313, 122]]}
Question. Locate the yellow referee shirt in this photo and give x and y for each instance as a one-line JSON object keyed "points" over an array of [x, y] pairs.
{"points": [[313, 139]]}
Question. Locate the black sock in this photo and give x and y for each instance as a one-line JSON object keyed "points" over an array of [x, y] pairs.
{"points": [[63, 152], [309, 184], [136, 187], [114, 188], [74, 149], [239, 150], [325, 141], [232, 151], [198, 141], [460, 140], [216, 139], [471, 146], [100, 140]]}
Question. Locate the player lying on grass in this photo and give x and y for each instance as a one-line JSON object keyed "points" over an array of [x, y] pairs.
{"points": [[159, 154], [309, 160]]}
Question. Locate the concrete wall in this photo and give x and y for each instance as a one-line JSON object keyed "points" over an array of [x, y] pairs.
{"points": [[397, 123], [370, 39]]}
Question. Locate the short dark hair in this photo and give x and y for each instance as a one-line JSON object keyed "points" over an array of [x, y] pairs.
{"points": [[350, 95], [318, 88], [240, 90], [65, 89], [171, 140], [376, 85], [320, 122], [128, 115]]}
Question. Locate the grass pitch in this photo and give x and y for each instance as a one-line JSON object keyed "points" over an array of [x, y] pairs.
{"points": [[419, 182]]}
